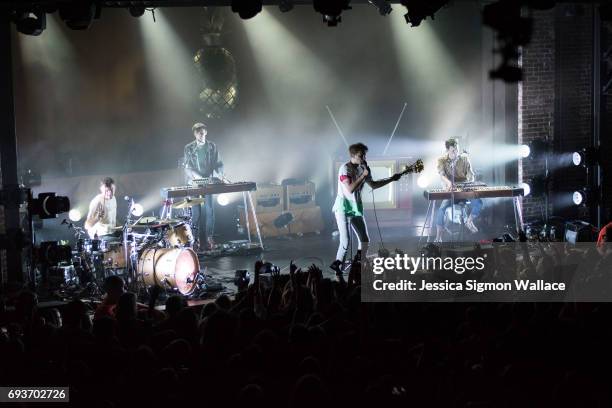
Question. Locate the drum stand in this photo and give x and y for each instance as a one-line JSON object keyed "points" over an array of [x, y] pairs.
{"points": [[129, 252]]}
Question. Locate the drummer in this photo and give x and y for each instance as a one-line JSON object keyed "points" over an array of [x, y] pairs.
{"points": [[102, 215]]}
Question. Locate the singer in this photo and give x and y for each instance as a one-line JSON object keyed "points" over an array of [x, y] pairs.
{"points": [[348, 207], [455, 168], [102, 215]]}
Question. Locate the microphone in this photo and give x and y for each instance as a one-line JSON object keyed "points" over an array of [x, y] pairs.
{"points": [[126, 198]]}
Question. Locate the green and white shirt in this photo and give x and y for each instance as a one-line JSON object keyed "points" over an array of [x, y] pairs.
{"points": [[349, 203]]}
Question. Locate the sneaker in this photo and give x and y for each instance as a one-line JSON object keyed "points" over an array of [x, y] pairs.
{"points": [[470, 225], [336, 266]]}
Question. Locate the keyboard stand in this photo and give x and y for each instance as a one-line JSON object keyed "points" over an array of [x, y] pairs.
{"points": [[518, 215], [245, 195], [431, 208]]}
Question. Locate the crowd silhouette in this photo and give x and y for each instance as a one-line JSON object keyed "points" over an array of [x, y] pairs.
{"points": [[303, 340]]}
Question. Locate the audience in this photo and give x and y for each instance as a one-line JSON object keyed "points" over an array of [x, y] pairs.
{"points": [[303, 340]]}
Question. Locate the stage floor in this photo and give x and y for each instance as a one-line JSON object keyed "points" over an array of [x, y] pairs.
{"points": [[311, 248]]}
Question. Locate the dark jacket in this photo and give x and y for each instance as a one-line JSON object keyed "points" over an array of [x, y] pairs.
{"points": [[210, 163]]}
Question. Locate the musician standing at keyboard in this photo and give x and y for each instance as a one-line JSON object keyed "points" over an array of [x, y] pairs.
{"points": [[102, 215], [453, 168], [202, 160]]}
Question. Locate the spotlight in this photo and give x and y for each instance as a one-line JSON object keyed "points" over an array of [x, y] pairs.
{"points": [[285, 5], [524, 151], [526, 189], [136, 11], [223, 199], [422, 181], [419, 10], [246, 8], [137, 210], [78, 16], [48, 205], [584, 197], [536, 186], [579, 197], [31, 22], [382, 6], [585, 157], [74, 215], [331, 10], [538, 148]]}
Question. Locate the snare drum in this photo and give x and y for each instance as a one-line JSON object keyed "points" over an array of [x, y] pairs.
{"points": [[91, 245], [170, 268], [179, 235]]}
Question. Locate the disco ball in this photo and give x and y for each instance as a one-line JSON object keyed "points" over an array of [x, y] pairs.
{"points": [[219, 84]]}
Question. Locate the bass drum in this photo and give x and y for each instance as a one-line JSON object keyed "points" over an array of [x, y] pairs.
{"points": [[169, 268]]}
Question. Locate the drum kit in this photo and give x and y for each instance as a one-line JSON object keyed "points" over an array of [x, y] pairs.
{"points": [[150, 251]]}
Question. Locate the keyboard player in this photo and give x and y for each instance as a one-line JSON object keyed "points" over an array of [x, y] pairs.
{"points": [[453, 168], [202, 160]]}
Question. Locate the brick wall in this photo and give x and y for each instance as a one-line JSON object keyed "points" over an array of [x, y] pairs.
{"points": [[536, 99], [555, 102], [606, 127]]}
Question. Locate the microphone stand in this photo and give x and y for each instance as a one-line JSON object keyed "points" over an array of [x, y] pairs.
{"points": [[128, 256], [453, 164]]}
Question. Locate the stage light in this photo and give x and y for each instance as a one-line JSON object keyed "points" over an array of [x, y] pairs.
{"points": [[585, 157], [331, 10], [422, 181], [579, 197], [48, 205], [584, 197], [419, 10], [285, 5], [137, 210], [524, 151], [246, 8], [75, 215], [537, 186], [78, 16], [136, 11], [538, 148], [223, 199], [31, 22], [526, 189], [383, 6]]}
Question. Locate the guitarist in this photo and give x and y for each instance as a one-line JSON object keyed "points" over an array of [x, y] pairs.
{"points": [[102, 214], [348, 207], [202, 160]]}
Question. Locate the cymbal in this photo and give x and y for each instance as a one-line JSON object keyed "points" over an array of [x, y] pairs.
{"points": [[187, 203], [147, 220], [163, 223]]}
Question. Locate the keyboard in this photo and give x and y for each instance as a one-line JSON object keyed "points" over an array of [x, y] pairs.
{"points": [[466, 193], [206, 189]]}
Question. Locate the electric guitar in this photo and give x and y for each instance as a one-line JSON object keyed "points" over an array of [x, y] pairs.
{"points": [[416, 167]]}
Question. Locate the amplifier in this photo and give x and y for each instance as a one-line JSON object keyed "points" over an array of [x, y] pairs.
{"points": [[303, 221], [268, 198], [300, 196]]}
